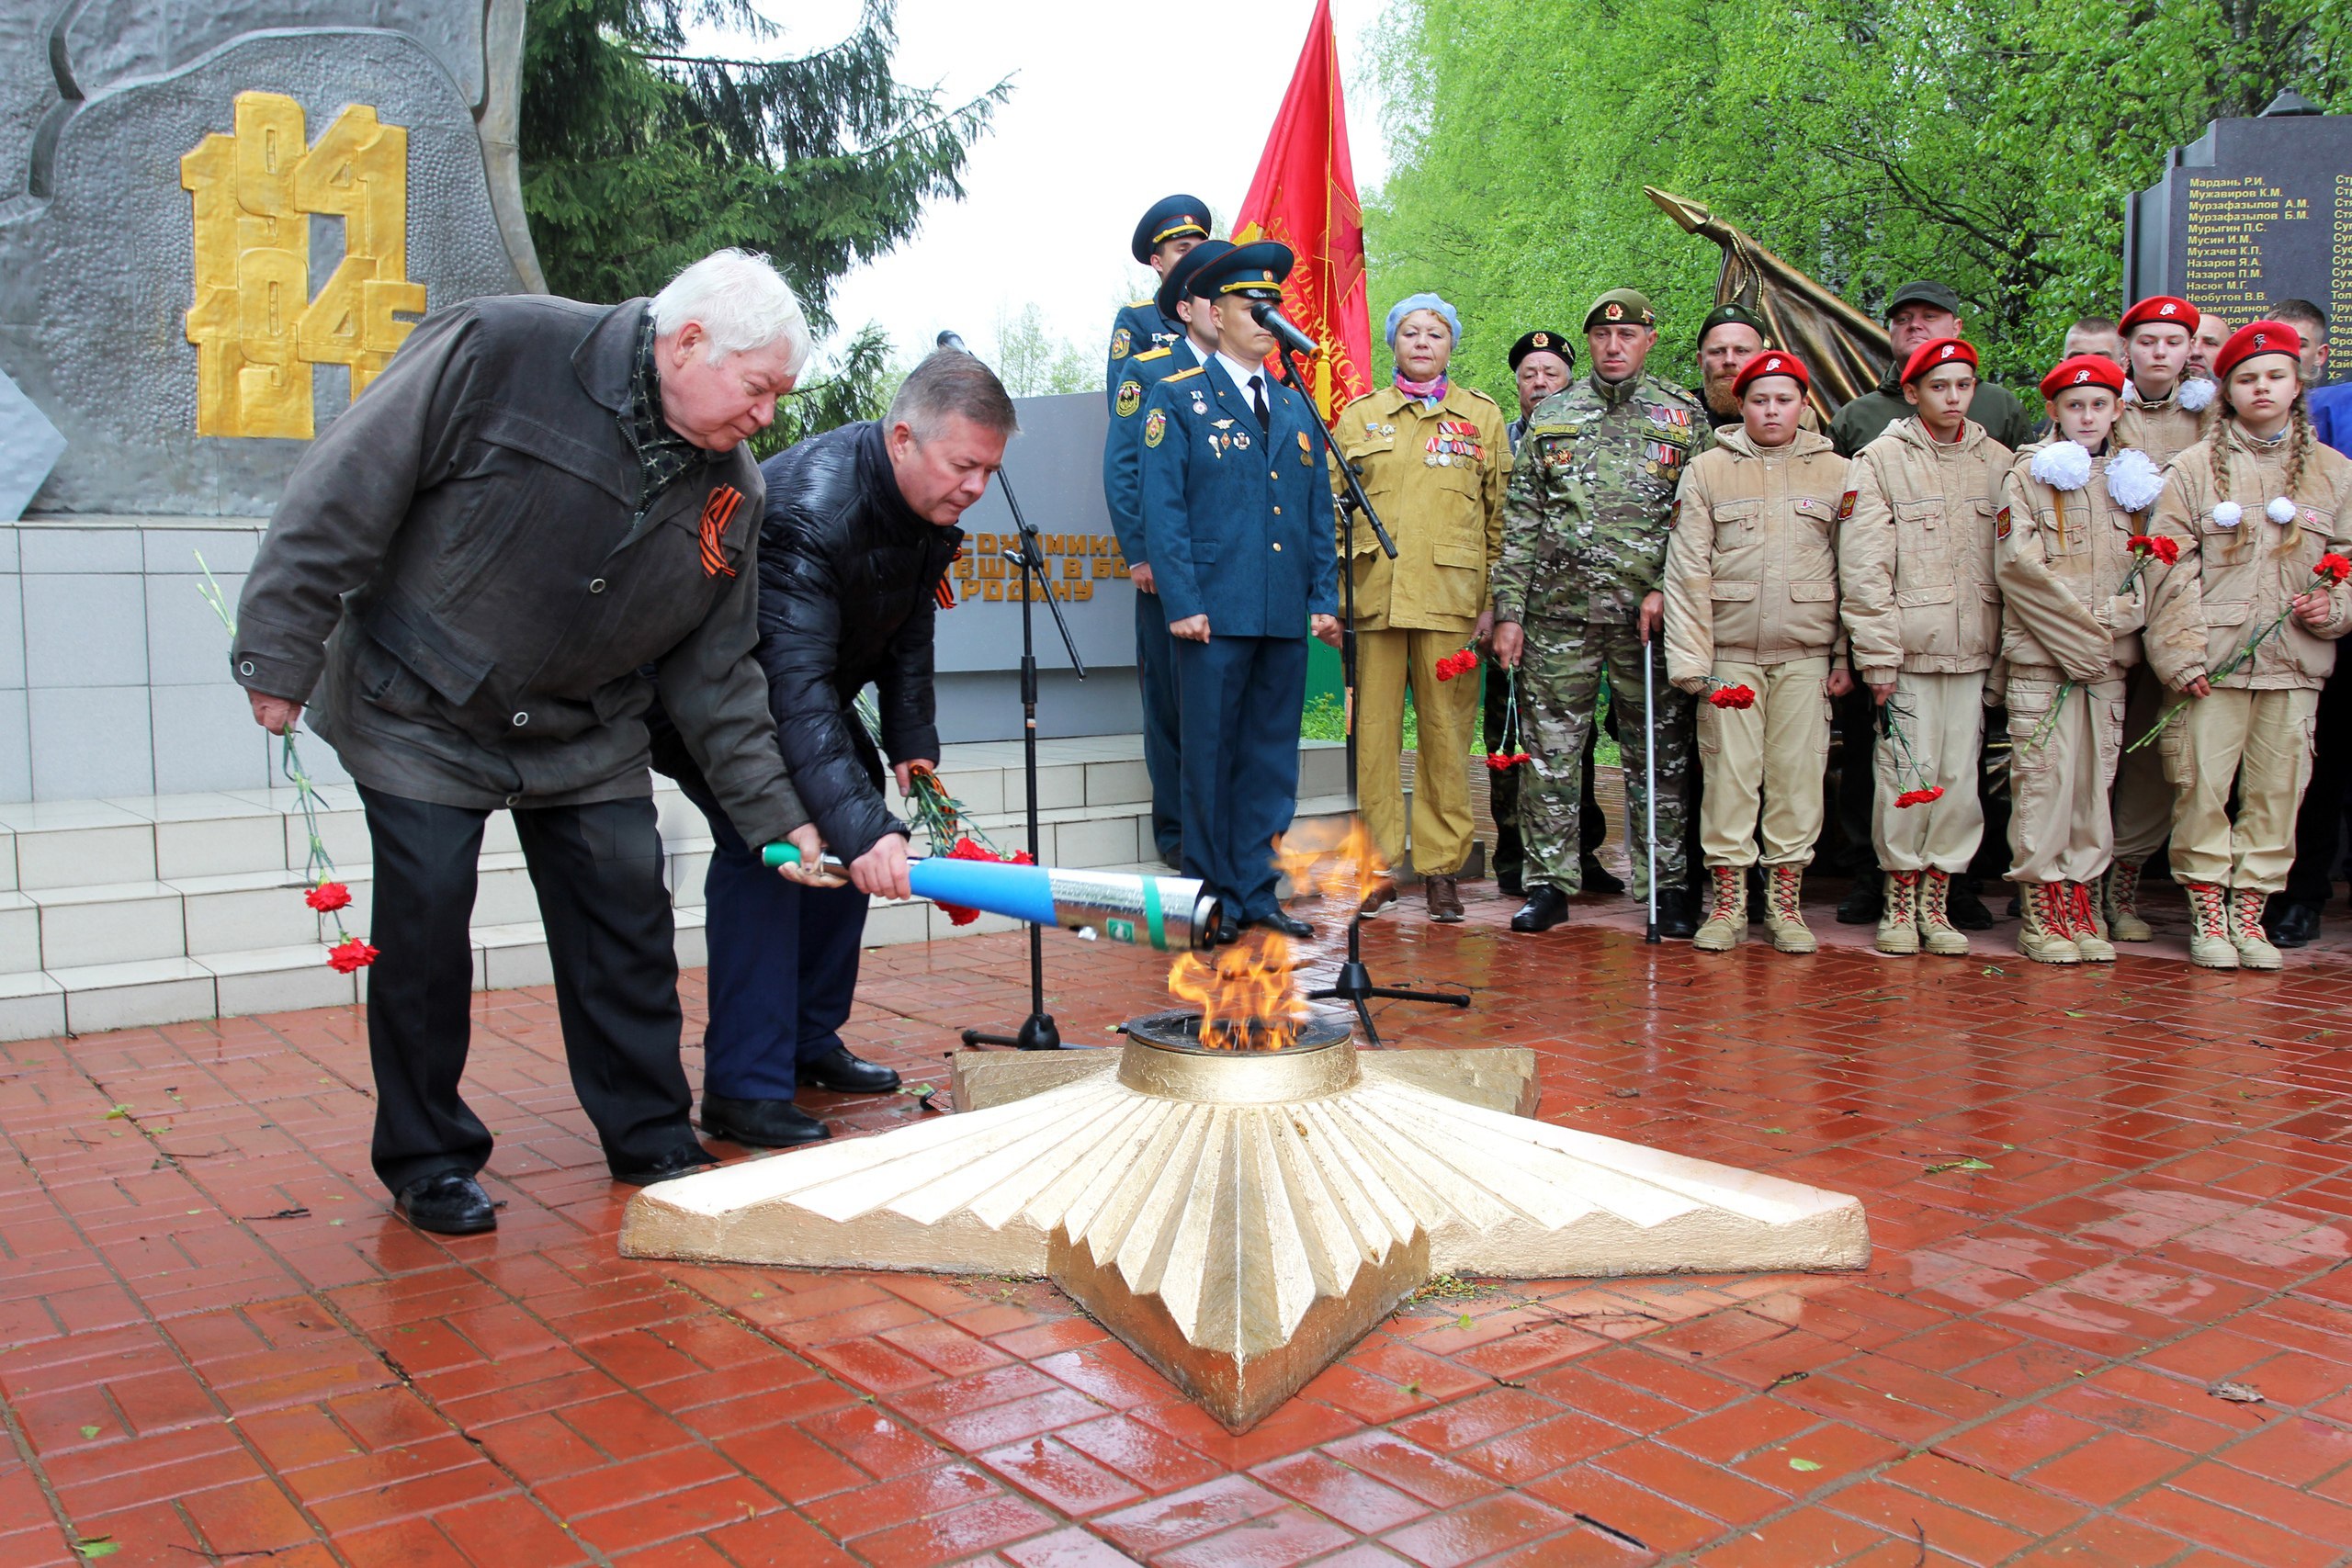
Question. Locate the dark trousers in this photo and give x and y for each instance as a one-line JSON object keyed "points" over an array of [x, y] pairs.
{"points": [[2319, 822], [782, 965], [1162, 733], [1242, 699], [598, 872]]}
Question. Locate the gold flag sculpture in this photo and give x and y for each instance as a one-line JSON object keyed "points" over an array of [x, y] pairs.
{"points": [[1846, 352]]}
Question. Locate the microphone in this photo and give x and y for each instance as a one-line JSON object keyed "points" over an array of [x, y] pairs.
{"points": [[949, 340], [1274, 322]]}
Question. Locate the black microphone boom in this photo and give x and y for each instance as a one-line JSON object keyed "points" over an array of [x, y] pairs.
{"points": [[1274, 322]]}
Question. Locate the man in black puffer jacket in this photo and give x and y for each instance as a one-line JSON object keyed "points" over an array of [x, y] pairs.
{"points": [[859, 530]]}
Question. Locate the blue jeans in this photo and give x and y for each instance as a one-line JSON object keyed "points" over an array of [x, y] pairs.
{"points": [[783, 966]]}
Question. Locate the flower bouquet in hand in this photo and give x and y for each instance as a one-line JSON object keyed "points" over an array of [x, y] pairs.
{"points": [[1507, 754], [327, 895], [1461, 662], [946, 822], [2144, 548], [1723, 695], [2331, 569]]}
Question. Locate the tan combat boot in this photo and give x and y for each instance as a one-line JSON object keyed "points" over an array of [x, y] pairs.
{"points": [[1785, 909], [1898, 927], [2120, 892], [2090, 938], [1936, 933], [2247, 934], [1725, 926], [2045, 935], [2209, 946]]}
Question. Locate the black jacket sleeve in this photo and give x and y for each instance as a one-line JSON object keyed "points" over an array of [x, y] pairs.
{"points": [[831, 760]]}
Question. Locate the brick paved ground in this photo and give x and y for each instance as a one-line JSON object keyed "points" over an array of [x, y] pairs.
{"points": [[215, 1342]]}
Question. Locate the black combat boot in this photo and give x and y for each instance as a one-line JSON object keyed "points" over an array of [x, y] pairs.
{"points": [[1546, 907]]}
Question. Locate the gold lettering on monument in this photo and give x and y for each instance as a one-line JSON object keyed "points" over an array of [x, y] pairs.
{"points": [[257, 328]]}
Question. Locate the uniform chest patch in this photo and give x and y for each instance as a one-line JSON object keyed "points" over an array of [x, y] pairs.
{"points": [[1121, 342], [1155, 425], [2001, 523], [1130, 397], [1846, 506]]}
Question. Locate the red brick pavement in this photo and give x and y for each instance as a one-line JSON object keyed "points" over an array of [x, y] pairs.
{"points": [[216, 1344]]}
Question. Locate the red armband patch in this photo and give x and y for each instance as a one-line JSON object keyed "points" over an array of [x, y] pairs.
{"points": [[2001, 523], [1846, 506]]}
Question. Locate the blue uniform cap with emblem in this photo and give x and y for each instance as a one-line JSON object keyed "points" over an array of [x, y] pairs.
{"points": [[1171, 218], [1254, 271], [1183, 270]]}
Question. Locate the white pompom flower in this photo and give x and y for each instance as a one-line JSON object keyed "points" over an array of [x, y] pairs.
{"points": [[2133, 480], [2227, 515], [2280, 511], [2196, 394], [2063, 465]]}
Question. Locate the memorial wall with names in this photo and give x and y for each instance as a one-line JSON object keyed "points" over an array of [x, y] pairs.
{"points": [[2253, 212]]}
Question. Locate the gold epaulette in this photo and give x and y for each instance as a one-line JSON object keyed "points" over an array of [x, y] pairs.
{"points": [[1161, 353], [1166, 380]]}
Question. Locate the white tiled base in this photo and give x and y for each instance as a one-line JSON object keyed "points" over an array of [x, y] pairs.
{"points": [[116, 914]]}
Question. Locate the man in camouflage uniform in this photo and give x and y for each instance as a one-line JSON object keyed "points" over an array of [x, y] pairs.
{"points": [[1576, 591]]}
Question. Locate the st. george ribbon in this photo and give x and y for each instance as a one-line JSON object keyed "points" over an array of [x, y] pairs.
{"points": [[1166, 913]]}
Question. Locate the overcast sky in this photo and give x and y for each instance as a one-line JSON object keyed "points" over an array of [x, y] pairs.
{"points": [[1111, 109]]}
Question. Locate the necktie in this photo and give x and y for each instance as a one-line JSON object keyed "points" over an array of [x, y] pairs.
{"points": [[1258, 401]]}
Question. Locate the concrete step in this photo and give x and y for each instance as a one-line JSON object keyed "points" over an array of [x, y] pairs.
{"points": [[159, 909]]}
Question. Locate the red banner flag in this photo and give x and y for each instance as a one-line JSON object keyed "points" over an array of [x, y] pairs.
{"points": [[1305, 195]]}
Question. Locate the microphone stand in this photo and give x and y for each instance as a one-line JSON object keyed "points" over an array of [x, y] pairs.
{"points": [[1038, 1030], [1353, 983]]}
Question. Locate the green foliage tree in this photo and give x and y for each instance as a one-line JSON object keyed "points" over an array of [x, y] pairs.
{"points": [[1989, 144], [639, 157], [1033, 362]]}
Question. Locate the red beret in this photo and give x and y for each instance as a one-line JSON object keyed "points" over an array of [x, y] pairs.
{"points": [[1771, 362], [2256, 338], [2084, 370], [1935, 351], [2161, 310]]}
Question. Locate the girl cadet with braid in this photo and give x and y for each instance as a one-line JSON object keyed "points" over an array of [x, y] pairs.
{"points": [[2243, 627]]}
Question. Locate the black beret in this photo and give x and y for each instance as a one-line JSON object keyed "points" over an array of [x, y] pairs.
{"points": [[1543, 343]]}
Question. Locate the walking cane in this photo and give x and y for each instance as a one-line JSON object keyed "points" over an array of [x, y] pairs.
{"points": [[1649, 777]]}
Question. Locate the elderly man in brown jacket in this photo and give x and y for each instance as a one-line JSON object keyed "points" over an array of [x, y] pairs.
{"points": [[538, 501], [1751, 606], [1435, 464], [1915, 561]]}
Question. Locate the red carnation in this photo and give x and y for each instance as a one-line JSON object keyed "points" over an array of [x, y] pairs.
{"points": [[2164, 549], [2333, 567], [351, 953], [1733, 697], [1920, 796], [328, 897], [1504, 762], [1459, 662], [967, 848]]}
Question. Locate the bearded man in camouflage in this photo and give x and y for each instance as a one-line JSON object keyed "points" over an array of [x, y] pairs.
{"points": [[1576, 592]]}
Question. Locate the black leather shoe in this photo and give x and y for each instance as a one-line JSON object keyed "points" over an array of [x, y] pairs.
{"points": [[2290, 925], [844, 1073], [1596, 877], [1546, 907], [1866, 903], [1676, 914], [761, 1123], [1281, 921], [1967, 910], [451, 1204], [684, 1160], [1508, 883]]}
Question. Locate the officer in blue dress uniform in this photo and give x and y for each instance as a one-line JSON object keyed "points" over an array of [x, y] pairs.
{"points": [[1123, 490], [1174, 225], [1246, 570]]}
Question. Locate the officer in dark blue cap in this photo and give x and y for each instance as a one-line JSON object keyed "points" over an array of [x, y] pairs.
{"points": [[1173, 226], [1245, 571], [1123, 491]]}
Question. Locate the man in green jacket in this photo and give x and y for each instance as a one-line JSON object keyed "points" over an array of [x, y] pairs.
{"points": [[1922, 312]]}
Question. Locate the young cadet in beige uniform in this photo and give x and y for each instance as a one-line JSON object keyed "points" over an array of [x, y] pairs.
{"points": [[1915, 563], [2254, 507], [2167, 408], [1751, 600], [1435, 463], [2073, 506]]}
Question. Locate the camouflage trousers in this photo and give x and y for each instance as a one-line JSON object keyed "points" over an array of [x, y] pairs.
{"points": [[1559, 687]]}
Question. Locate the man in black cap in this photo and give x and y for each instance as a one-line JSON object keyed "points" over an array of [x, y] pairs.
{"points": [[1123, 490], [1245, 571], [1920, 313], [1173, 225]]}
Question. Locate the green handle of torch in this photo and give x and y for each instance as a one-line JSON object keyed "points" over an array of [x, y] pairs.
{"points": [[779, 855]]}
